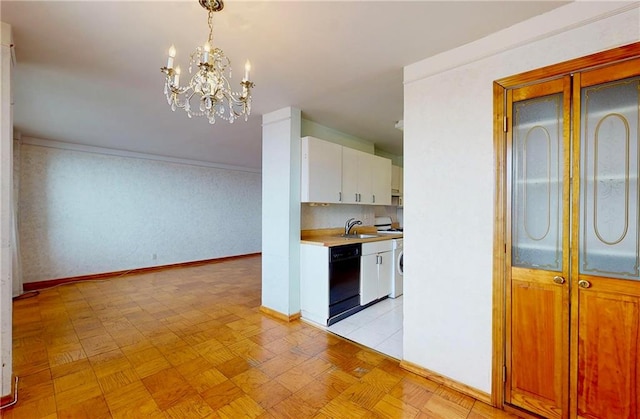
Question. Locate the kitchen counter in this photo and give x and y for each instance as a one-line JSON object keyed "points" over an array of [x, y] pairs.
{"points": [[330, 237]]}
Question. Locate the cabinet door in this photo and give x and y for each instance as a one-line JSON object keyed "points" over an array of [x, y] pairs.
{"points": [[385, 273], [368, 279], [537, 289], [321, 171], [350, 175], [365, 178], [598, 344], [396, 172], [606, 280], [381, 180]]}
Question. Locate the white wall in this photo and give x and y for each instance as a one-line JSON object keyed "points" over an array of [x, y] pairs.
{"points": [[313, 129], [448, 178], [90, 212], [281, 211], [6, 162]]}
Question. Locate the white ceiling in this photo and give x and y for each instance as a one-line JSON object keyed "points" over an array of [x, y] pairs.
{"points": [[88, 72]]}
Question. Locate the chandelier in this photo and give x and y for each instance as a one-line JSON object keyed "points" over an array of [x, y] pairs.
{"points": [[208, 84]]}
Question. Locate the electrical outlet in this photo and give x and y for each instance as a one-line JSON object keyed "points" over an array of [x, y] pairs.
{"points": [[154, 256]]}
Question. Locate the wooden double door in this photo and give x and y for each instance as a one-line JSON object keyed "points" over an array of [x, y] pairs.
{"points": [[573, 244]]}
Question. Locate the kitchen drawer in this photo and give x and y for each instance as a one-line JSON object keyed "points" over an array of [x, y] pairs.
{"points": [[377, 247]]}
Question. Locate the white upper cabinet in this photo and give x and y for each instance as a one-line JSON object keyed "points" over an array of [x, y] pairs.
{"points": [[321, 171], [332, 173], [380, 180], [356, 176], [350, 175], [396, 180], [366, 179]]}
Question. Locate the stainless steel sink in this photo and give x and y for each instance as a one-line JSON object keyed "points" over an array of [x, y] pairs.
{"points": [[360, 236]]}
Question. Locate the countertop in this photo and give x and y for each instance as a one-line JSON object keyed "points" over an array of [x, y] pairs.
{"points": [[330, 237]]}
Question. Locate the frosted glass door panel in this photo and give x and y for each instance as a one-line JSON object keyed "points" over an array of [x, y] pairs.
{"points": [[537, 183], [609, 186]]}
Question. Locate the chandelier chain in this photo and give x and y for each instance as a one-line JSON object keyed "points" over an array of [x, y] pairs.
{"points": [[210, 23]]}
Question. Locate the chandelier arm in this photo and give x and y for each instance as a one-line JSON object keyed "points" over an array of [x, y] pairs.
{"points": [[175, 93]]}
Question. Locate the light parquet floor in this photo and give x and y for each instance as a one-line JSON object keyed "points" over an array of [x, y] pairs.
{"points": [[192, 343]]}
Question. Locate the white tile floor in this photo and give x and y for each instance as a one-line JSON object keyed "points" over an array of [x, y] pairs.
{"points": [[378, 327]]}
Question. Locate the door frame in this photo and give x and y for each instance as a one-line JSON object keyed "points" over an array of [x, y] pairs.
{"points": [[500, 153]]}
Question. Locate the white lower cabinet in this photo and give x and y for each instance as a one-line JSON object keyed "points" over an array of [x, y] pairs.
{"points": [[376, 270], [314, 283], [368, 278]]}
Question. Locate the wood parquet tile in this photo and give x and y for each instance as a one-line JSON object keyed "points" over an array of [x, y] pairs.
{"points": [[192, 343]]}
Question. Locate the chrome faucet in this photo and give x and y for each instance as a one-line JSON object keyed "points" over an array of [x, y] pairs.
{"points": [[351, 222]]}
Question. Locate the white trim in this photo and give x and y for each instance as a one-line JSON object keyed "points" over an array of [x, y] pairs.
{"points": [[6, 36], [276, 121], [130, 154], [277, 116], [571, 16], [6, 40]]}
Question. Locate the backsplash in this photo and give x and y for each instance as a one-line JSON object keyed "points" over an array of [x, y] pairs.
{"points": [[331, 216]]}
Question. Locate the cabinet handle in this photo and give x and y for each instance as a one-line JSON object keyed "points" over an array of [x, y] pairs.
{"points": [[378, 260], [584, 283], [339, 196], [558, 280], [374, 199], [356, 197]]}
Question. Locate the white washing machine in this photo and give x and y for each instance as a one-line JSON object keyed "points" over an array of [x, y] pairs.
{"points": [[396, 279]]}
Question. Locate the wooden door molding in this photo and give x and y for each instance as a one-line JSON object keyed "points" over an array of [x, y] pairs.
{"points": [[501, 192], [499, 244], [588, 62]]}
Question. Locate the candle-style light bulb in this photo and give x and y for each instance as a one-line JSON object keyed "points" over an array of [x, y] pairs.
{"points": [[247, 69], [205, 52], [172, 55], [176, 77]]}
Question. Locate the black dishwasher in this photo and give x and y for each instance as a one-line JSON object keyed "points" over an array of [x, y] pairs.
{"points": [[344, 281]]}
